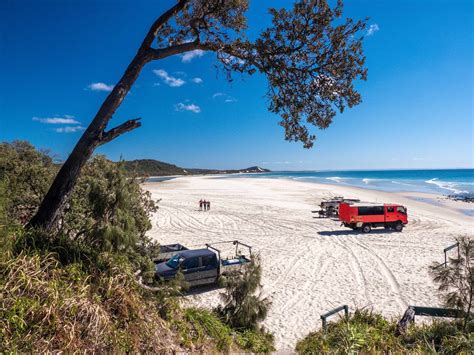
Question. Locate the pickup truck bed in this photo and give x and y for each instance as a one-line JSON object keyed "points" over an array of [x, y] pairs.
{"points": [[233, 265], [168, 251]]}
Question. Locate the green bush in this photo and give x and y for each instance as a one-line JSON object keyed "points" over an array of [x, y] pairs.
{"points": [[243, 307], [26, 174], [198, 327], [256, 341], [368, 332], [107, 212]]}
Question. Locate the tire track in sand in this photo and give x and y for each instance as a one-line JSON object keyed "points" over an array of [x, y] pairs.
{"points": [[384, 270]]}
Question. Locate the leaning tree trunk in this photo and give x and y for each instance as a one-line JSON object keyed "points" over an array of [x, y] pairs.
{"points": [[53, 203], [95, 135]]}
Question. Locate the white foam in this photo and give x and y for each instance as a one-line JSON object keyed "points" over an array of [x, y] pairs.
{"points": [[402, 183], [336, 179], [450, 186]]}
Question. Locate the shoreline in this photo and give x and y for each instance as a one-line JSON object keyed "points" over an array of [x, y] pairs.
{"points": [[440, 200], [309, 265]]}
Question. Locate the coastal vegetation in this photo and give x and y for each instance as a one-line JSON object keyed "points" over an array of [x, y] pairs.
{"points": [[368, 332], [89, 285]]}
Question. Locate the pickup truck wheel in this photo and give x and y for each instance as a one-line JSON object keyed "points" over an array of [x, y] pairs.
{"points": [[399, 227], [366, 228]]}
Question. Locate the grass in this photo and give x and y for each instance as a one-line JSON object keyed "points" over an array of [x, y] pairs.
{"points": [[368, 332], [197, 326], [47, 306]]}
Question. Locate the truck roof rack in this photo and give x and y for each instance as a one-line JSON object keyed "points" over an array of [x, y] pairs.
{"points": [[235, 242]]}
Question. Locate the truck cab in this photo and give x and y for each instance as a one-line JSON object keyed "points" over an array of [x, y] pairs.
{"points": [[395, 213], [199, 267]]}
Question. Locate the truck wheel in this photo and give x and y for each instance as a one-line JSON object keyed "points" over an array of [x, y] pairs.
{"points": [[366, 228], [399, 227]]}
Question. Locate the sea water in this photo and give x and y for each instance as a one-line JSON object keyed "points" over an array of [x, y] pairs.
{"points": [[459, 182]]}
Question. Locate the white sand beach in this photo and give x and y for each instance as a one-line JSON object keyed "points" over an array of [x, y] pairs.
{"points": [[310, 265]]}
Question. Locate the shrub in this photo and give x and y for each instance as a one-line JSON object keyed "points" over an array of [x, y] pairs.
{"points": [[256, 341], [368, 332], [198, 328], [108, 211], [243, 309], [456, 279], [26, 174]]}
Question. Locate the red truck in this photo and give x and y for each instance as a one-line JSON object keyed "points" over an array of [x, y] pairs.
{"points": [[365, 215]]}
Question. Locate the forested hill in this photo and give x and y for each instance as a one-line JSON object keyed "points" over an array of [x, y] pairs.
{"points": [[151, 167]]}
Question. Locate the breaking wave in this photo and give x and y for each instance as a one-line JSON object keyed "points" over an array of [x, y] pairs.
{"points": [[337, 179], [450, 186]]}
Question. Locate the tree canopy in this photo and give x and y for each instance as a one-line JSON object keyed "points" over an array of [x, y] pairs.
{"points": [[310, 56]]}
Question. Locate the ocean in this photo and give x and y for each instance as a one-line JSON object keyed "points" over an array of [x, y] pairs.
{"points": [[459, 182]]}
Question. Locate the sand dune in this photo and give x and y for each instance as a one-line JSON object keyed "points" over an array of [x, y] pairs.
{"points": [[310, 265]]}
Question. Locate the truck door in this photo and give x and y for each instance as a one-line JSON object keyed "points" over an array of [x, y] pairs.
{"points": [[402, 214], [210, 268], [390, 214], [190, 270]]}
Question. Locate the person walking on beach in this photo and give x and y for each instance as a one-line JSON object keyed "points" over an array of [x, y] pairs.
{"points": [[204, 204], [200, 204], [208, 205]]}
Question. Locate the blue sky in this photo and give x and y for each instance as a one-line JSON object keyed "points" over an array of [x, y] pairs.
{"points": [[417, 109]]}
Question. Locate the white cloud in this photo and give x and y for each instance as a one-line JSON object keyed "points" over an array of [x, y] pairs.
{"points": [[189, 56], [66, 119], [372, 29], [225, 97], [197, 80], [180, 107], [168, 79], [69, 129], [100, 87]]}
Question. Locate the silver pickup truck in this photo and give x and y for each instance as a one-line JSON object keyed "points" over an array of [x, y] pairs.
{"points": [[203, 266]]}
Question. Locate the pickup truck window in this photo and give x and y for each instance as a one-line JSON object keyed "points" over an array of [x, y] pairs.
{"points": [[190, 263], [174, 261], [390, 209], [208, 260]]}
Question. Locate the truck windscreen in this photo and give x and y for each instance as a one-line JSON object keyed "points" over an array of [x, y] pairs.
{"points": [[174, 261]]}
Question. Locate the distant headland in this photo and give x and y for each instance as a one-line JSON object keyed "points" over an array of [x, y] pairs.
{"points": [[152, 167]]}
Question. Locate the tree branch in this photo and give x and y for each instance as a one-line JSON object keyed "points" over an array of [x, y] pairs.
{"points": [[160, 21], [155, 54], [117, 131], [227, 49]]}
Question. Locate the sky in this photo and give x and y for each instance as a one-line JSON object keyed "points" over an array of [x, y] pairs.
{"points": [[60, 59]]}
